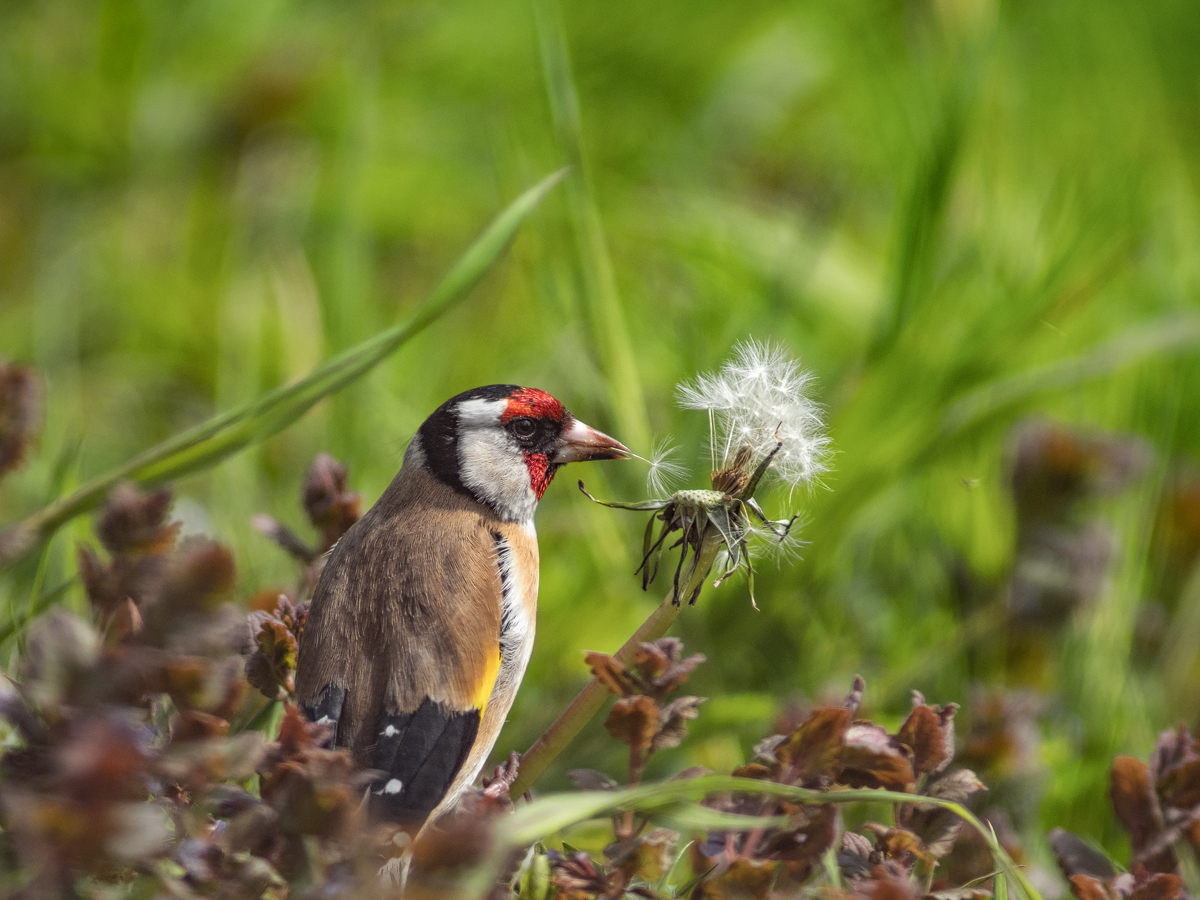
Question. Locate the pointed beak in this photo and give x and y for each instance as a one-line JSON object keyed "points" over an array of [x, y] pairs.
{"points": [[579, 443]]}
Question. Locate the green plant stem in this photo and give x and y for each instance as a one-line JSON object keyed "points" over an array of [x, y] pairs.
{"points": [[588, 701], [602, 302]]}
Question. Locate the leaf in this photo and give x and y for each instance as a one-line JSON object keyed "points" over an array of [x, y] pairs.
{"points": [[889, 881], [929, 732], [633, 721], [854, 857], [251, 423], [958, 787], [194, 725], [200, 576], [297, 734], [673, 722], [277, 643], [895, 842], [871, 758], [105, 758], [1137, 809], [677, 674], [936, 826], [136, 520], [654, 854], [651, 660], [330, 507], [745, 879], [272, 663], [535, 884], [753, 770], [641, 506], [815, 748], [135, 831], [854, 699], [548, 815], [1078, 858], [610, 673], [576, 875], [1180, 787], [125, 623], [809, 833], [61, 649], [1087, 888], [1162, 886], [857, 845]]}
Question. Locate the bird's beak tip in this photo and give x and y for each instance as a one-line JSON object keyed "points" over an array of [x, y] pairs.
{"points": [[582, 443]]}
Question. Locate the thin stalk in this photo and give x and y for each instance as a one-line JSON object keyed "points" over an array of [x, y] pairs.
{"points": [[602, 301], [588, 701]]}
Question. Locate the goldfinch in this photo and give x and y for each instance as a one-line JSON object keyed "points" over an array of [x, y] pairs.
{"points": [[422, 621]]}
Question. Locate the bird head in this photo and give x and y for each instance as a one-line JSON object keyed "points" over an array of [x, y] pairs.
{"points": [[502, 444]]}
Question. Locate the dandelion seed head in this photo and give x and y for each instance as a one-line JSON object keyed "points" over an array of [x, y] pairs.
{"points": [[758, 399], [665, 470]]}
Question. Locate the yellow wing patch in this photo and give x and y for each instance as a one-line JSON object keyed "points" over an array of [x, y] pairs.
{"points": [[484, 692]]}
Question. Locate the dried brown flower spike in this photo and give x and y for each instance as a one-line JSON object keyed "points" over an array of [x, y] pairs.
{"points": [[20, 412]]}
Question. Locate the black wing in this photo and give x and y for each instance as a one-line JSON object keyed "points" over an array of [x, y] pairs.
{"points": [[327, 710], [421, 752]]}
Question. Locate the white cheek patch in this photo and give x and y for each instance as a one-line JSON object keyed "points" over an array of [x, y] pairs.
{"points": [[494, 469]]}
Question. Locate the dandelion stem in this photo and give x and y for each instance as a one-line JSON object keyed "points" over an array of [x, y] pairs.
{"points": [[588, 701]]}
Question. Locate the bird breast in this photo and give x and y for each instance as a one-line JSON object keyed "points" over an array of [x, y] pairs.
{"points": [[517, 563], [519, 586]]}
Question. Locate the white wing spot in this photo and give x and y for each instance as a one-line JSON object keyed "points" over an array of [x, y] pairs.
{"points": [[393, 786], [390, 731], [324, 720]]}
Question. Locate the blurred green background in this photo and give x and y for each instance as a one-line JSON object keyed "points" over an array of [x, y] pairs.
{"points": [[955, 212]]}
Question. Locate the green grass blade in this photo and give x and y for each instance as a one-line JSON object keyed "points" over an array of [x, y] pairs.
{"points": [[922, 215], [548, 815], [603, 304], [253, 422], [1176, 335], [17, 622]]}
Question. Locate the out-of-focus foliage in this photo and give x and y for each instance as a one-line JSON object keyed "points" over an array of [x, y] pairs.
{"points": [[121, 763], [124, 768], [955, 212], [1157, 805]]}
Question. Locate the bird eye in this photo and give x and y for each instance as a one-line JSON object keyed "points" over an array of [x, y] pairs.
{"points": [[523, 427]]}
